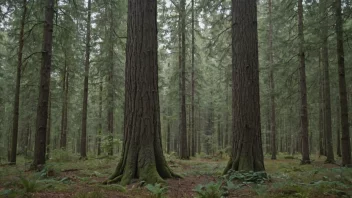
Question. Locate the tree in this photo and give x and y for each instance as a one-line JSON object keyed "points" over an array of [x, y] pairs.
{"points": [[85, 89], [327, 100], [16, 105], [193, 132], [272, 86], [44, 87], [303, 88], [345, 137], [184, 150], [247, 153], [142, 154]]}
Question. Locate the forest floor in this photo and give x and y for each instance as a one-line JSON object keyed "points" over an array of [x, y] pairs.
{"points": [[66, 176]]}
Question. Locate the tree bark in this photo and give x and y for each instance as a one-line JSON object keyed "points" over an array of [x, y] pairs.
{"points": [[48, 129], [16, 106], [142, 155], [63, 136], [44, 87], [345, 137], [272, 86], [327, 100], [111, 98], [100, 126], [85, 89], [247, 153], [303, 88], [338, 128], [184, 150], [193, 153]]}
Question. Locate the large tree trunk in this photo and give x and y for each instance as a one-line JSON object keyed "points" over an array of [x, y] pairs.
{"points": [[327, 100], [85, 89], [42, 110], [272, 86], [142, 155], [184, 154], [247, 153], [16, 106], [63, 135], [345, 138], [303, 88]]}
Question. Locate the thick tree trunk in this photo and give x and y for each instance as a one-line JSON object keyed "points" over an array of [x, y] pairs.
{"points": [[16, 106], [42, 110], [303, 88], [345, 137], [184, 150], [327, 100], [85, 89], [63, 135], [142, 155], [247, 153], [272, 86]]}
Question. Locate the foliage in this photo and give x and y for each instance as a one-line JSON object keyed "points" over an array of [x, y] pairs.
{"points": [[247, 177], [210, 190], [157, 190], [29, 185], [60, 155]]}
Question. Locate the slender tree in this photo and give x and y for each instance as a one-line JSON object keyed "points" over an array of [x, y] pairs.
{"points": [[303, 88], [345, 137], [327, 100], [44, 88], [16, 105], [247, 153], [85, 89], [64, 119], [272, 86], [193, 149], [184, 150], [142, 154]]}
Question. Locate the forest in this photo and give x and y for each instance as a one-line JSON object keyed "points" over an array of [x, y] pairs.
{"points": [[175, 98]]}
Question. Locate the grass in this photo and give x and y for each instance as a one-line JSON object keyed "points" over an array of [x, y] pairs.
{"points": [[69, 177]]}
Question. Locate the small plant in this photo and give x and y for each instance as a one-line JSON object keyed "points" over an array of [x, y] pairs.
{"points": [[210, 190], [157, 190], [247, 177], [28, 184]]}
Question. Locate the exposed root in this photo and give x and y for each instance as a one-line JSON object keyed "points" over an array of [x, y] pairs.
{"points": [[113, 181]]}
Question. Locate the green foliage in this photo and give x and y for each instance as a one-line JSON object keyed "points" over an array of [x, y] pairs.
{"points": [[247, 177], [157, 190], [210, 190], [28, 185], [60, 155]]}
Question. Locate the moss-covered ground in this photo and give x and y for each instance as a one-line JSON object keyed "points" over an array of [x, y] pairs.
{"points": [[66, 176]]}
